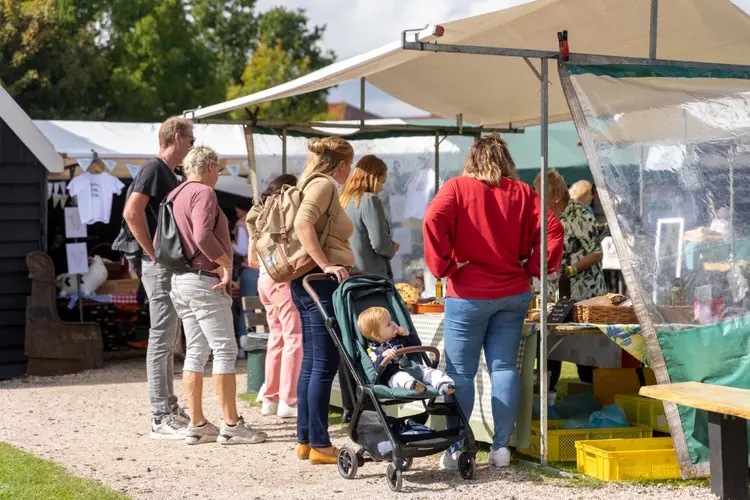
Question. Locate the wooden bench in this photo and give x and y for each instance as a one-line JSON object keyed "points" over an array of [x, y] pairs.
{"points": [[55, 347], [728, 411]]}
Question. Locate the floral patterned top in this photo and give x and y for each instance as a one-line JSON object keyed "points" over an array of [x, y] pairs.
{"points": [[581, 239]]}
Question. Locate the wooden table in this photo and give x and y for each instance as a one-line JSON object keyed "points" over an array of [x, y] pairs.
{"points": [[728, 411]]}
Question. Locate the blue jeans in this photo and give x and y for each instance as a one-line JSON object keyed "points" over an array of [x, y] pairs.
{"points": [[496, 325], [320, 361], [248, 288]]}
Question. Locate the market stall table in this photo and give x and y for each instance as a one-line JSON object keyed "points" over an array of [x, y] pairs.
{"points": [[613, 337]]}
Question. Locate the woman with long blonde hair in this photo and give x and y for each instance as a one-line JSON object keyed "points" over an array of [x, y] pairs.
{"points": [[371, 242], [332, 157], [482, 232]]}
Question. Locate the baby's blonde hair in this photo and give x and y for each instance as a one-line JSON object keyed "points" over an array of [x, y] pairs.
{"points": [[369, 322]]}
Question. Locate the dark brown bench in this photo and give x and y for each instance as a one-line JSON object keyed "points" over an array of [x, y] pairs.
{"points": [[53, 346]]}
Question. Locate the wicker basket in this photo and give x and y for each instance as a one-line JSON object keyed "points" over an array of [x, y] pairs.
{"points": [[604, 315], [680, 315]]}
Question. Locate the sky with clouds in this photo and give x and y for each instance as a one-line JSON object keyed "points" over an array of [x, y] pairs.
{"points": [[356, 26]]}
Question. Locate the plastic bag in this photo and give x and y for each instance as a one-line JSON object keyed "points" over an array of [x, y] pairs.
{"points": [[578, 405], [576, 423], [610, 416]]}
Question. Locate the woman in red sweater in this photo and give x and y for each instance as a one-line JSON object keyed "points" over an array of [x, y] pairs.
{"points": [[482, 231]]}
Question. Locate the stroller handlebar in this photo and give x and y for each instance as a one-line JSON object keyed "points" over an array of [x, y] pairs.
{"points": [[320, 277], [412, 350]]}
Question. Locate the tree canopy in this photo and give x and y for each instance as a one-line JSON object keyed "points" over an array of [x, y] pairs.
{"points": [[144, 60]]}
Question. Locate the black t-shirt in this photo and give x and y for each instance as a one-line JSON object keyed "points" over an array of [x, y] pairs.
{"points": [[156, 181]]}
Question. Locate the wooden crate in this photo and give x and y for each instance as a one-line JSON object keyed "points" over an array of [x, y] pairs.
{"points": [[604, 315], [125, 286]]}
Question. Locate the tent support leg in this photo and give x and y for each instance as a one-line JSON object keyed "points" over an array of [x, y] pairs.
{"points": [[437, 161], [362, 82], [283, 151], [654, 29], [543, 375], [250, 145]]}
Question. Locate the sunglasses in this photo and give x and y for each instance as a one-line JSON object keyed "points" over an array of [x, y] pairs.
{"points": [[192, 139]]}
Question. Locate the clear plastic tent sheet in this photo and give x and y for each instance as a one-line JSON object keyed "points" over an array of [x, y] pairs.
{"points": [[669, 149]]}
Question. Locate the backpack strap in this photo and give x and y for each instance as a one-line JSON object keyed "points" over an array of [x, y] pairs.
{"points": [[332, 211]]}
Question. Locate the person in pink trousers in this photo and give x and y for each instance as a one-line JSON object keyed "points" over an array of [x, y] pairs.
{"points": [[284, 355]]}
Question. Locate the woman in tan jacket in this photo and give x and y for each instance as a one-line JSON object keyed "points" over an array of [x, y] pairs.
{"points": [[332, 157]]}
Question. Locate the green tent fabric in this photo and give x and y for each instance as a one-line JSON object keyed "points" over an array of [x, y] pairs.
{"points": [[349, 300], [716, 354], [526, 148], [564, 153]]}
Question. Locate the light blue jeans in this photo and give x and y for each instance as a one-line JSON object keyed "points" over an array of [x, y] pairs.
{"points": [[497, 326]]}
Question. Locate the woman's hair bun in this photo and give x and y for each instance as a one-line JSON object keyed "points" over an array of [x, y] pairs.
{"points": [[316, 145]]}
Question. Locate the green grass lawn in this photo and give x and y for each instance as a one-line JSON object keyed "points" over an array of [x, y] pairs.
{"points": [[24, 476]]}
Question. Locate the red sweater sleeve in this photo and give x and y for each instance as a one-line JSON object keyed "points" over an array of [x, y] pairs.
{"points": [[555, 241], [439, 232]]}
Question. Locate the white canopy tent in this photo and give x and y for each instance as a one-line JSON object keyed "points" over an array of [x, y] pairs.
{"points": [[437, 70], [134, 143], [504, 91]]}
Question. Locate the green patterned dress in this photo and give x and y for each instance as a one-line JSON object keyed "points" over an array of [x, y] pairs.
{"points": [[581, 239]]}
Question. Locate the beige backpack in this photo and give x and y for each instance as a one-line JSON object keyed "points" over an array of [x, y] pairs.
{"points": [[271, 229]]}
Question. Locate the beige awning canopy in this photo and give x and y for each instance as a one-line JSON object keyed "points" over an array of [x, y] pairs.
{"points": [[503, 91]]}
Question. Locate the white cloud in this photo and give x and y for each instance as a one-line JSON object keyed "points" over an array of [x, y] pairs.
{"points": [[356, 26]]}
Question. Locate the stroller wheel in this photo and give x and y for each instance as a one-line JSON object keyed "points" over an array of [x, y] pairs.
{"points": [[406, 463], [467, 465], [360, 458], [348, 462], [394, 477]]}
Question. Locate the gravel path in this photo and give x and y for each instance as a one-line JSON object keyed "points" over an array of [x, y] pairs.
{"points": [[95, 424]]}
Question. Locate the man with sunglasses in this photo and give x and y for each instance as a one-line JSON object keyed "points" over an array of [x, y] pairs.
{"points": [[152, 184]]}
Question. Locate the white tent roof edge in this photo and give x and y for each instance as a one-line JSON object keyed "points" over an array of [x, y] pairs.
{"points": [[354, 67], [22, 125]]}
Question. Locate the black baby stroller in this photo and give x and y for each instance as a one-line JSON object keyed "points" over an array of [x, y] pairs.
{"points": [[382, 437]]}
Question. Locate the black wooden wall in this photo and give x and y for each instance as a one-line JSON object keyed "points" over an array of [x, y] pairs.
{"points": [[23, 227]]}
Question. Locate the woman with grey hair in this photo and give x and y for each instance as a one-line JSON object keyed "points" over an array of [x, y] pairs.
{"points": [[202, 301]]}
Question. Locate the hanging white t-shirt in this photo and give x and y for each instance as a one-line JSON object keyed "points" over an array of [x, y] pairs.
{"points": [[94, 193]]}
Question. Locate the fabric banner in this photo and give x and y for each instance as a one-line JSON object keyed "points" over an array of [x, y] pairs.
{"points": [[110, 164], [234, 169], [133, 169], [85, 163]]}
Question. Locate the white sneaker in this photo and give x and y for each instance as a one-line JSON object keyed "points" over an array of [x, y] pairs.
{"points": [[169, 428], [240, 433], [269, 408], [181, 415], [499, 457], [261, 393], [449, 461], [286, 411], [199, 434]]}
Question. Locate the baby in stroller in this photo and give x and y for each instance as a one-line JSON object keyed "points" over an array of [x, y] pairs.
{"points": [[381, 333]]}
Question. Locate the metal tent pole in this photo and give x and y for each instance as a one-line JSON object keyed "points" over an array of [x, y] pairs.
{"points": [[250, 145], [437, 162], [654, 29], [543, 375], [283, 151], [641, 183], [362, 82]]}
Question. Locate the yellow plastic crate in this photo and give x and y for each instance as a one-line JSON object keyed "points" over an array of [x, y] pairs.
{"points": [[561, 443], [628, 459], [644, 411]]}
